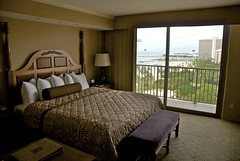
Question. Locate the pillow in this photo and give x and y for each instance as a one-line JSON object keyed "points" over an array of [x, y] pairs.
{"points": [[29, 92], [57, 80], [54, 92], [42, 84], [68, 79], [81, 78]]}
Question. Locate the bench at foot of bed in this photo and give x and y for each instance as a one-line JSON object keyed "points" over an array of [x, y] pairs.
{"points": [[150, 137]]}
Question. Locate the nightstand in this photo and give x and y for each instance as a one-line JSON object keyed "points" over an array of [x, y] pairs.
{"points": [[107, 85]]}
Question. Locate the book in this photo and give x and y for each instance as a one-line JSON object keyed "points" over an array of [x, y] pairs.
{"points": [[38, 151]]}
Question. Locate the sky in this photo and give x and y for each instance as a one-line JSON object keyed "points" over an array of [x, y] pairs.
{"points": [[182, 39]]}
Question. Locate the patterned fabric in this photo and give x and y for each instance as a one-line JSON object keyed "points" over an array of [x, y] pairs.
{"points": [[94, 120]]}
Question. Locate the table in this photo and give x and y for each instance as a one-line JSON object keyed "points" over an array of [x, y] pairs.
{"points": [[69, 154], [107, 85]]}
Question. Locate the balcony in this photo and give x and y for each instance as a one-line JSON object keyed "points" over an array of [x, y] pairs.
{"points": [[188, 88]]}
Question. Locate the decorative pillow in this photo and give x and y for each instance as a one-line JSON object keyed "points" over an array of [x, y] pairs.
{"points": [[54, 92], [42, 84], [29, 92], [57, 80], [81, 78], [68, 79]]}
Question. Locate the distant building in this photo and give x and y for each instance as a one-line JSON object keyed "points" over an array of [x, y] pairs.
{"points": [[210, 48]]}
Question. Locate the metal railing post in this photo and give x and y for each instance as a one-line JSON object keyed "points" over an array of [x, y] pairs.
{"points": [[196, 84], [157, 81]]}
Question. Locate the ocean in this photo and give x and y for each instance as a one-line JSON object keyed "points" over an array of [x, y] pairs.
{"points": [[158, 59]]}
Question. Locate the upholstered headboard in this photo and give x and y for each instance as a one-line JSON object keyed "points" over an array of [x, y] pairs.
{"points": [[41, 65]]}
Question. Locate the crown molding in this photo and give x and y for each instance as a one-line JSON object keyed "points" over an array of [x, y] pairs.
{"points": [[66, 6], [49, 21]]}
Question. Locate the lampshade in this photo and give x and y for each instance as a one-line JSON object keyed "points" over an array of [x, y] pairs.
{"points": [[102, 60]]}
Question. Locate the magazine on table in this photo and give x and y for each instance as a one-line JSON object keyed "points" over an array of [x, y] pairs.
{"points": [[38, 151]]}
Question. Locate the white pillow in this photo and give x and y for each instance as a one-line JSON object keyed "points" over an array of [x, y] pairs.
{"points": [[57, 80], [81, 78], [42, 84], [68, 79], [29, 92]]}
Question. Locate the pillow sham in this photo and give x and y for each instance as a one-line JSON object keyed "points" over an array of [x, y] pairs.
{"points": [[54, 92], [29, 92], [68, 79], [42, 84], [57, 80], [80, 78]]}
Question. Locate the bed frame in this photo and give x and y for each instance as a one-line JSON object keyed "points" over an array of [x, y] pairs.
{"points": [[42, 64]]}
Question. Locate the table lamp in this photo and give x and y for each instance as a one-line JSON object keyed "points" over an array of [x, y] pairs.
{"points": [[102, 60]]}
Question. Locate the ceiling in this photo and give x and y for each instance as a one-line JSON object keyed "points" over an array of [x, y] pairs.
{"points": [[112, 8]]}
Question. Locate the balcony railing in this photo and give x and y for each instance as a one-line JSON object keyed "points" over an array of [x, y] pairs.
{"points": [[184, 83]]}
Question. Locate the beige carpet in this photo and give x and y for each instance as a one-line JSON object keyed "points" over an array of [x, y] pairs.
{"points": [[204, 139]]}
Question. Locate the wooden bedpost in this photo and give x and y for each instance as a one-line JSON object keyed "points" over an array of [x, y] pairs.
{"points": [[81, 51], [7, 58], [7, 66]]}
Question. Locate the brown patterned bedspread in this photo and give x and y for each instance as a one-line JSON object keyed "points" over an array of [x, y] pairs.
{"points": [[94, 120]]}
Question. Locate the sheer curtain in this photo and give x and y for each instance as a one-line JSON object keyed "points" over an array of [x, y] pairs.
{"points": [[120, 44]]}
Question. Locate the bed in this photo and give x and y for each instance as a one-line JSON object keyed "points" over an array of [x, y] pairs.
{"points": [[94, 120]]}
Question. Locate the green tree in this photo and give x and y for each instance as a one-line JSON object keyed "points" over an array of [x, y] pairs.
{"points": [[203, 82], [186, 92], [207, 93], [205, 63], [200, 80], [144, 79]]}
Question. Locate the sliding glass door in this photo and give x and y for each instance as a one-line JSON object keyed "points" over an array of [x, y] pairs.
{"points": [[181, 65], [151, 51]]}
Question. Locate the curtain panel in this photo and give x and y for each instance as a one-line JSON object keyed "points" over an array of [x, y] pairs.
{"points": [[120, 44]]}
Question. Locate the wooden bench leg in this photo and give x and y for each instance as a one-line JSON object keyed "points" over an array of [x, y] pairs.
{"points": [[177, 128], [167, 144]]}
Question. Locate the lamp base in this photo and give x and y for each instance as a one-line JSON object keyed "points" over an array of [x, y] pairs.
{"points": [[102, 77]]}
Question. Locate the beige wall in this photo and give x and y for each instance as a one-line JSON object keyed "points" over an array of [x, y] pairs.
{"points": [[231, 105], [27, 37]]}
